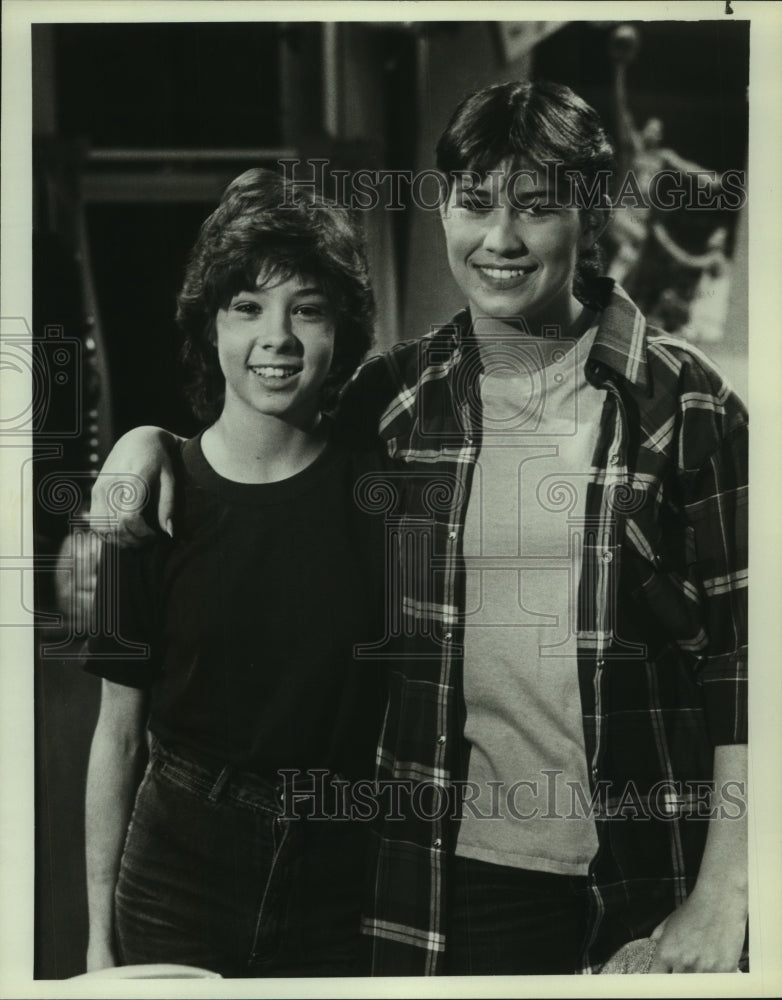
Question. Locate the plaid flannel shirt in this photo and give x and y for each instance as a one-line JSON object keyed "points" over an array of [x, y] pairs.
{"points": [[661, 619]]}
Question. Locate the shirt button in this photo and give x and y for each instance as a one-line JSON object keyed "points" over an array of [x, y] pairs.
{"points": [[608, 555], [594, 774], [448, 636], [468, 440], [658, 558], [614, 460], [437, 844], [601, 663], [452, 536], [441, 739]]}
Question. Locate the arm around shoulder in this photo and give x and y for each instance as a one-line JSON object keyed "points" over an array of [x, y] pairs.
{"points": [[139, 465]]}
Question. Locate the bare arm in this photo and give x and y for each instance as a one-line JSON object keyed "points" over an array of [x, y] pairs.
{"points": [[682, 256], [112, 779], [706, 933], [622, 50], [628, 136], [676, 162], [139, 466]]}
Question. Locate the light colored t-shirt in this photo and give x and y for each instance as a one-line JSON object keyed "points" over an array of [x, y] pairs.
{"points": [[522, 546]]}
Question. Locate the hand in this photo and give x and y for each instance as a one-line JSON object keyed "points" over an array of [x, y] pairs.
{"points": [[100, 955], [75, 577], [139, 463], [624, 44], [705, 934]]}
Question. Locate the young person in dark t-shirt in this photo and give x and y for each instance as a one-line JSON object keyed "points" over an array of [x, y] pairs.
{"points": [[231, 645]]}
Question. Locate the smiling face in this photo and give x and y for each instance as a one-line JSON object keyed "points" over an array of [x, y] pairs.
{"points": [[275, 346], [510, 254]]}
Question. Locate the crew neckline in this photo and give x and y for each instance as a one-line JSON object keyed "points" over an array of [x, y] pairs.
{"points": [[582, 346], [205, 477], [531, 359]]}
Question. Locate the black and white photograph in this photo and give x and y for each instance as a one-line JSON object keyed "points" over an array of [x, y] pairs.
{"points": [[377, 525]]}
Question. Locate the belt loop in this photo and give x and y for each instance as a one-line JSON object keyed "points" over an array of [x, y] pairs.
{"points": [[219, 785]]}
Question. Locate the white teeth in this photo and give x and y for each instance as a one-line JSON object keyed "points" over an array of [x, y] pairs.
{"points": [[500, 273], [267, 371]]}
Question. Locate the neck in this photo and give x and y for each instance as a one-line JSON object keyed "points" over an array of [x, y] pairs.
{"points": [[265, 450], [537, 338]]}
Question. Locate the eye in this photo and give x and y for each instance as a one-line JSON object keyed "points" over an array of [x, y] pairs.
{"points": [[312, 311], [539, 209], [472, 201], [246, 307]]}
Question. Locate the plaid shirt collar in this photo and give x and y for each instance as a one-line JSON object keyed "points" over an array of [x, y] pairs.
{"points": [[620, 346]]}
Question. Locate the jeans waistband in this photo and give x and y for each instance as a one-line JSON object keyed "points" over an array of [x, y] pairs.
{"points": [[319, 793]]}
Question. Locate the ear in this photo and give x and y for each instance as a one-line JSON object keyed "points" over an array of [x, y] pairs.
{"points": [[445, 198], [593, 224]]}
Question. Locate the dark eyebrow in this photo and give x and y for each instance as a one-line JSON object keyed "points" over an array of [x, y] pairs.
{"points": [[539, 196], [538, 193], [484, 191], [478, 193]]}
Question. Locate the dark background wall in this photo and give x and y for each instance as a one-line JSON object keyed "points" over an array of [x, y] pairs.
{"points": [[106, 95]]}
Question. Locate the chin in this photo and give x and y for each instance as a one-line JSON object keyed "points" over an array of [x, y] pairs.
{"points": [[499, 308]]}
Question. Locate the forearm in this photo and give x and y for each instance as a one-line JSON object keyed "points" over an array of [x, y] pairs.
{"points": [[139, 466], [706, 933], [112, 779], [627, 139], [723, 870]]}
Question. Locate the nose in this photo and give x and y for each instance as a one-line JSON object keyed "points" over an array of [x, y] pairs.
{"points": [[504, 236], [275, 332]]}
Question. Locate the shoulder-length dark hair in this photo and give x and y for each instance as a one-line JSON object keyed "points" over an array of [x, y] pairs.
{"points": [[539, 123], [267, 226]]}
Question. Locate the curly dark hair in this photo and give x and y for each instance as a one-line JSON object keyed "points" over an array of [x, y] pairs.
{"points": [[266, 225], [537, 122]]}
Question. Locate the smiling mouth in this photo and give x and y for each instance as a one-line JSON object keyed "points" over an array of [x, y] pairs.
{"points": [[274, 371], [504, 273]]}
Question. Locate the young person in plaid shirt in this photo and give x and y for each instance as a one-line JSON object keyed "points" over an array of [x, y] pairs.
{"points": [[566, 726]]}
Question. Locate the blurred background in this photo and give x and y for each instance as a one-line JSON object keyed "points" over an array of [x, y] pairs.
{"points": [[138, 128]]}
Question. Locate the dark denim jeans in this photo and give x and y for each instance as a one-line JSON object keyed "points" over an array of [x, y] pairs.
{"points": [[511, 921], [214, 875]]}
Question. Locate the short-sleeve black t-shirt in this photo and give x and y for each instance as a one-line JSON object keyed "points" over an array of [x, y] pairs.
{"points": [[245, 624]]}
